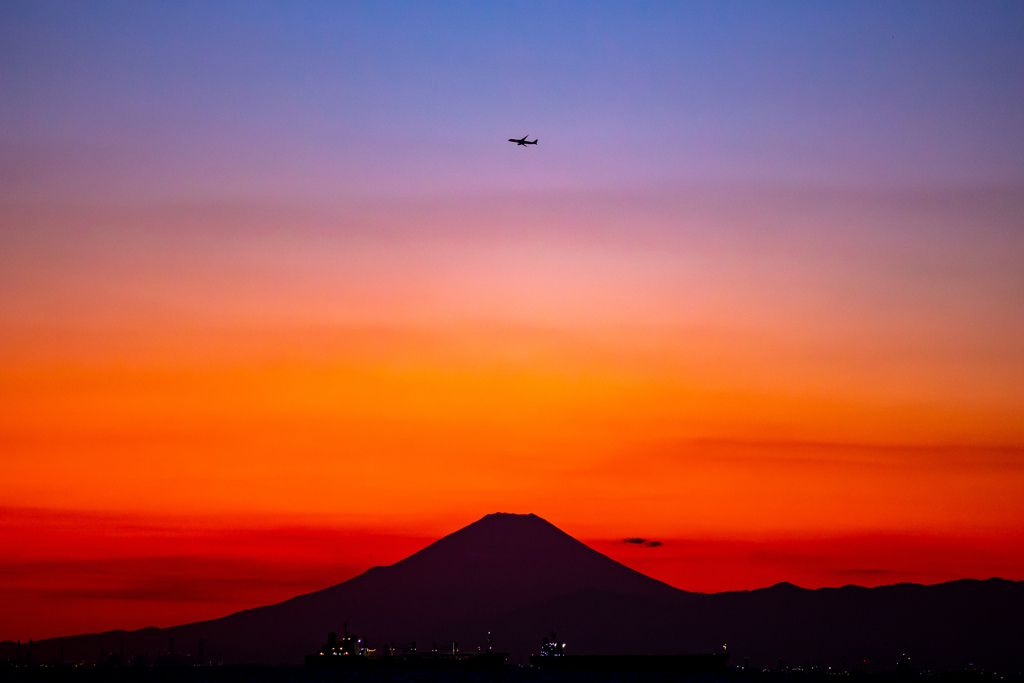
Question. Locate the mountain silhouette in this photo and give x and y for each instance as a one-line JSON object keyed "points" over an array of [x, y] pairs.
{"points": [[519, 577]]}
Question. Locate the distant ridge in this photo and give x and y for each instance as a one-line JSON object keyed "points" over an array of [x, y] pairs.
{"points": [[520, 577]]}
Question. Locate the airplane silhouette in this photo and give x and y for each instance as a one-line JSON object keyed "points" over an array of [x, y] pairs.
{"points": [[522, 141]]}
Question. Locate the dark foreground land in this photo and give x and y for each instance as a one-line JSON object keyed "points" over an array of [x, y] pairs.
{"points": [[300, 674]]}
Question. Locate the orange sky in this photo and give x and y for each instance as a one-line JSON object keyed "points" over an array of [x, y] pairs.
{"points": [[827, 393]]}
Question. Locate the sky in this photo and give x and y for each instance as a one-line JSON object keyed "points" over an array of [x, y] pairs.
{"points": [[278, 301]]}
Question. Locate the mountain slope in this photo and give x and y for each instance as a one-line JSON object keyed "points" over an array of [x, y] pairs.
{"points": [[498, 564], [520, 577]]}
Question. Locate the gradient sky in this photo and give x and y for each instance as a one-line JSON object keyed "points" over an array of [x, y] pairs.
{"points": [[279, 302]]}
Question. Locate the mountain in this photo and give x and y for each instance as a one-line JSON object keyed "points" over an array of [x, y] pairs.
{"points": [[519, 577]]}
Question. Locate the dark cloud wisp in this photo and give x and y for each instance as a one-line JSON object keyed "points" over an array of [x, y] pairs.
{"points": [[643, 542]]}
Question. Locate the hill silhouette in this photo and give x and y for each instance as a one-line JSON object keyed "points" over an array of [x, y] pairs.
{"points": [[519, 577]]}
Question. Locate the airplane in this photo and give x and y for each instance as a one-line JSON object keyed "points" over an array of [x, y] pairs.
{"points": [[523, 141]]}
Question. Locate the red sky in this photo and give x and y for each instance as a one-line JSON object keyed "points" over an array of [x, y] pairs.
{"points": [[66, 573]]}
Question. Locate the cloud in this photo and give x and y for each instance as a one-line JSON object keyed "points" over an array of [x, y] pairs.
{"points": [[642, 542], [172, 579]]}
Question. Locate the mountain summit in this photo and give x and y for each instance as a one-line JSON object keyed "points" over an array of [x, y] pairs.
{"points": [[504, 561], [519, 577], [461, 586]]}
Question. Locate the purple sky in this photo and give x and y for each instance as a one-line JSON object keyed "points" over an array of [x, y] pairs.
{"points": [[141, 101]]}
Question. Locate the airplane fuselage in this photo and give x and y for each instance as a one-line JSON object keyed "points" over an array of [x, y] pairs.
{"points": [[523, 141]]}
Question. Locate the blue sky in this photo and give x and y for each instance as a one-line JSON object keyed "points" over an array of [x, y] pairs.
{"points": [[271, 98]]}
